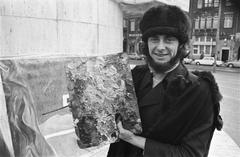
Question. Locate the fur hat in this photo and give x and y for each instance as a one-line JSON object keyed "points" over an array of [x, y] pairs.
{"points": [[165, 19]]}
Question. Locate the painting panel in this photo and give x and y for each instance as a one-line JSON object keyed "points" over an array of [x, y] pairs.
{"points": [[67, 106]]}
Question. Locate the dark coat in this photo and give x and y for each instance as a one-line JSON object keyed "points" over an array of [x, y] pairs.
{"points": [[178, 115]]}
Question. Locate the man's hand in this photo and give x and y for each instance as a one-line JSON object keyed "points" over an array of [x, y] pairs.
{"points": [[125, 135], [129, 137]]}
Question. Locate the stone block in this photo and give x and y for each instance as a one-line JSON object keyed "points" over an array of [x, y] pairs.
{"points": [[45, 9], [27, 36], [77, 38], [85, 11], [110, 14], [110, 39]]}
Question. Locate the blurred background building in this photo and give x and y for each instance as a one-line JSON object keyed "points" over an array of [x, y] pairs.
{"points": [[215, 29]]}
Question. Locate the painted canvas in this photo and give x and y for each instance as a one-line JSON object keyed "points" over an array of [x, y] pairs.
{"points": [[65, 106], [101, 88]]}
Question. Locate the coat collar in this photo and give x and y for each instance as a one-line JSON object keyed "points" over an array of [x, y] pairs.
{"points": [[173, 84], [182, 74]]}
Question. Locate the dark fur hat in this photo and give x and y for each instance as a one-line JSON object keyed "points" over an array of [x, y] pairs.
{"points": [[166, 19]]}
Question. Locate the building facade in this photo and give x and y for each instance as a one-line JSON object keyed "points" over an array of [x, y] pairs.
{"points": [[215, 29]]}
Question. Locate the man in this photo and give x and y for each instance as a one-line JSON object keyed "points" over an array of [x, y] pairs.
{"points": [[179, 110]]}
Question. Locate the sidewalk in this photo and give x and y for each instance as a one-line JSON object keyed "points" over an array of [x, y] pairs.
{"points": [[192, 67], [222, 146]]}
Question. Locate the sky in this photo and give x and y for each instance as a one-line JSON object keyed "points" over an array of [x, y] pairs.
{"points": [[184, 4]]}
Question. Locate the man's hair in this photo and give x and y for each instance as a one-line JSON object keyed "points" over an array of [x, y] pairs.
{"points": [[168, 20]]}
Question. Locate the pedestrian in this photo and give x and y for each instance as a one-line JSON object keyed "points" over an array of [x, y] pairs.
{"points": [[179, 109]]}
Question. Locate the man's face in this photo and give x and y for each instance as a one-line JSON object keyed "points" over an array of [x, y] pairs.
{"points": [[162, 48]]}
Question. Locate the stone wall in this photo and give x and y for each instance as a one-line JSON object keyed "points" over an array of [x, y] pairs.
{"points": [[39, 27]]}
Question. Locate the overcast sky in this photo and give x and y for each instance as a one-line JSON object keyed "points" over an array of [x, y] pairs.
{"points": [[184, 4]]}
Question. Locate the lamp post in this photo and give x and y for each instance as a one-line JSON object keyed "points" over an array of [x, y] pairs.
{"points": [[214, 54], [214, 63], [232, 43], [217, 34]]}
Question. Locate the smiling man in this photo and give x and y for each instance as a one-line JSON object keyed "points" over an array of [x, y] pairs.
{"points": [[179, 109], [162, 52]]}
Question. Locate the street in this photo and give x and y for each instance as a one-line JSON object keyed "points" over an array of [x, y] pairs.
{"points": [[229, 84], [228, 80]]}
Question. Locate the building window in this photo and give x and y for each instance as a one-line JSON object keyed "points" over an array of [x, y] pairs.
{"points": [[215, 22], [213, 38], [207, 49], [228, 3], [124, 23], [138, 28], [209, 38], [199, 4], [216, 3], [208, 3], [195, 49], [197, 23], [209, 22], [132, 25], [214, 49], [228, 20], [202, 23], [202, 49], [202, 38], [197, 39]]}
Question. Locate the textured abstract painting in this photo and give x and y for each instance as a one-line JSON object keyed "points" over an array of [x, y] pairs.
{"points": [[65, 106], [101, 88]]}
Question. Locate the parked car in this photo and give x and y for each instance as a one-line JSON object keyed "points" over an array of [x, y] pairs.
{"points": [[232, 64], [187, 60], [208, 61]]}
